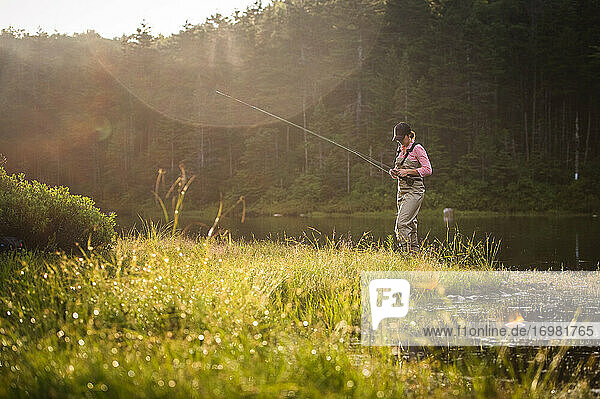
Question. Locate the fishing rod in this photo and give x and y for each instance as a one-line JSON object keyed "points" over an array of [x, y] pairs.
{"points": [[378, 165]]}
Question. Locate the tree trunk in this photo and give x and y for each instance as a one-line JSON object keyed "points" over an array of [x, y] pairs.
{"points": [[230, 155], [381, 162], [564, 128], [58, 163], [568, 147], [533, 111], [202, 147], [209, 145], [348, 171], [406, 98], [370, 157], [172, 152], [320, 154], [305, 136], [577, 146], [526, 139], [303, 61], [359, 87], [589, 128], [287, 150], [276, 149]]}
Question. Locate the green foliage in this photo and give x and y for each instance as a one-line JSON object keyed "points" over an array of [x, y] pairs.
{"points": [[50, 217], [492, 89], [306, 187]]}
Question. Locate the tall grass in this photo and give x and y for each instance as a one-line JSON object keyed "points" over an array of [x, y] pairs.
{"points": [[176, 193], [165, 316]]}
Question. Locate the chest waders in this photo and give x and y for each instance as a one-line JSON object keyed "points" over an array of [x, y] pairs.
{"points": [[409, 199]]}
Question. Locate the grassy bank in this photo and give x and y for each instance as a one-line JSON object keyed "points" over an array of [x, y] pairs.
{"points": [[162, 316]]}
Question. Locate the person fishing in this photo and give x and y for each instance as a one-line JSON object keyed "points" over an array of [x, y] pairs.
{"points": [[411, 165]]}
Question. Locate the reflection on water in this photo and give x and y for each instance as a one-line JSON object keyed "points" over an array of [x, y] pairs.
{"points": [[542, 242]]}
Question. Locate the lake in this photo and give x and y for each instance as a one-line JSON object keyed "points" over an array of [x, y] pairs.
{"points": [[525, 242]]}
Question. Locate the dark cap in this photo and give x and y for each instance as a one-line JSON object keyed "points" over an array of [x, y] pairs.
{"points": [[400, 130]]}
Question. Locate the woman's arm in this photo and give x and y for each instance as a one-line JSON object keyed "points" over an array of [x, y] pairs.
{"points": [[425, 169], [421, 155]]}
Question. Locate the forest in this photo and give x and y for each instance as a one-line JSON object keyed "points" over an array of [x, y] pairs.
{"points": [[503, 94]]}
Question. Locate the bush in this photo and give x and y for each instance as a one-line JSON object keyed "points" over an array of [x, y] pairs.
{"points": [[50, 218]]}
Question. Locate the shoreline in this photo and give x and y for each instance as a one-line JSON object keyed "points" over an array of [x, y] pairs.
{"points": [[210, 212]]}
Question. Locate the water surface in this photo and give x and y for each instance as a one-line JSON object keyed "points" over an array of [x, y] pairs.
{"points": [[542, 242]]}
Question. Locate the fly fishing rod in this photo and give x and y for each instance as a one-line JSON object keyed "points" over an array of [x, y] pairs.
{"points": [[378, 165]]}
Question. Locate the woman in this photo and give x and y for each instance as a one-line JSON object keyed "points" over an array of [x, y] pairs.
{"points": [[410, 167]]}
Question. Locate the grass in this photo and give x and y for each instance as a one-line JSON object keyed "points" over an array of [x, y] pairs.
{"points": [[164, 316]]}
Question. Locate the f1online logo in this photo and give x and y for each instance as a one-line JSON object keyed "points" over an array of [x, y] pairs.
{"points": [[388, 299]]}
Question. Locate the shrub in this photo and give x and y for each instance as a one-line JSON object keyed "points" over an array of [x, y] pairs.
{"points": [[49, 217]]}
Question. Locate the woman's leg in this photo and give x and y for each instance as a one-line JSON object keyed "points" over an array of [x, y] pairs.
{"points": [[409, 204], [414, 237]]}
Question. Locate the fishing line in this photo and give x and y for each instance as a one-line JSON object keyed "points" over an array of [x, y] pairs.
{"points": [[382, 167], [145, 103]]}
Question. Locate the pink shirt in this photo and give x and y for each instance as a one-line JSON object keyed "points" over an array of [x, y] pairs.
{"points": [[420, 155]]}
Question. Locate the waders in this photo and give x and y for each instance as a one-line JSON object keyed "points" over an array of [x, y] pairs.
{"points": [[409, 199]]}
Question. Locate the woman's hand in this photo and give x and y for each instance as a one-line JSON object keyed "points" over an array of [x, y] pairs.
{"points": [[394, 173]]}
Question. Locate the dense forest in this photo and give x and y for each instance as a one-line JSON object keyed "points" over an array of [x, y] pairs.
{"points": [[504, 95]]}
